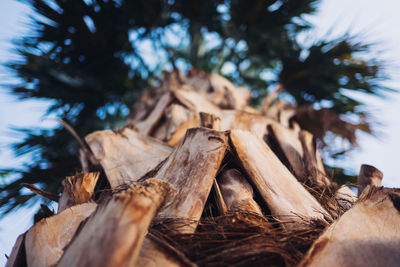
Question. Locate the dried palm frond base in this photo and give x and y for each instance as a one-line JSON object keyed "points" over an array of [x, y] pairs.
{"points": [[199, 178], [240, 239]]}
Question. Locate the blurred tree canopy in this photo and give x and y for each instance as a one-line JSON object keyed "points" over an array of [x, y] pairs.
{"points": [[91, 59]]}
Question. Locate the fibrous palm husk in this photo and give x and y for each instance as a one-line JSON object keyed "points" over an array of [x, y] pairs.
{"points": [[241, 239]]}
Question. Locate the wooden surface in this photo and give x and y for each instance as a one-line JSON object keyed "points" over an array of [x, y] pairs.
{"points": [[290, 145], [141, 109], [210, 121], [196, 102], [255, 123], [367, 235], [191, 169], [126, 155], [77, 189], [17, 256], [369, 175], [36, 190], [345, 197], [312, 161], [226, 95], [219, 199], [114, 234], [310, 146], [199, 80], [175, 115], [153, 255], [147, 125], [237, 192], [160, 131], [179, 134], [284, 195], [46, 240]]}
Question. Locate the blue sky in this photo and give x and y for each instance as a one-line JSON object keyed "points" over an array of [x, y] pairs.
{"points": [[379, 19], [380, 23]]}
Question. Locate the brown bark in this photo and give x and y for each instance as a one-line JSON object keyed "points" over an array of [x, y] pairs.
{"points": [[290, 145], [345, 197], [156, 252], [284, 195], [210, 121], [312, 161], [126, 155], [366, 235], [237, 192], [213, 122], [160, 132], [270, 100], [41, 192], [285, 116], [191, 169], [118, 227], [175, 115], [300, 153], [147, 125], [77, 189], [219, 90], [369, 175], [272, 106], [45, 241], [195, 101], [179, 134], [226, 95], [219, 199], [199, 80], [17, 257], [153, 255], [274, 110], [255, 123], [140, 109]]}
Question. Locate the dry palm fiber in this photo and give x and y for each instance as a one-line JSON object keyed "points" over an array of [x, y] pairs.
{"points": [[325, 194], [247, 239], [240, 239]]}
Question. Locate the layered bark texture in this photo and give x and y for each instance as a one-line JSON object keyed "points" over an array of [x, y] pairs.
{"points": [[198, 177]]}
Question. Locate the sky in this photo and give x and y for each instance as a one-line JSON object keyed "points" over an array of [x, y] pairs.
{"points": [[380, 23], [379, 20]]}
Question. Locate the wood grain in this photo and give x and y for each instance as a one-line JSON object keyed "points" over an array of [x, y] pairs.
{"points": [[237, 192], [191, 169], [126, 155], [46, 240], [284, 195], [118, 227], [77, 189], [366, 235]]}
